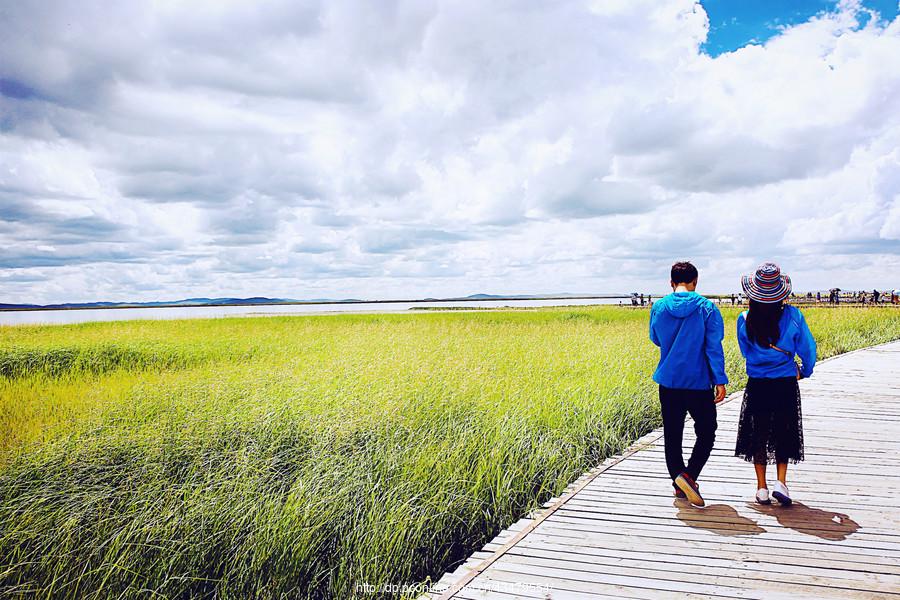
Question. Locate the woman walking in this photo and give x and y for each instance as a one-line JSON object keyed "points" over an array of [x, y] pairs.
{"points": [[770, 335]]}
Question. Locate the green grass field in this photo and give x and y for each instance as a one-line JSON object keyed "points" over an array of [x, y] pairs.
{"points": [[300, 456]]}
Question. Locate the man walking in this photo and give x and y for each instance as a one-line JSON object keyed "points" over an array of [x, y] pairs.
{"points": [[688, 329]]}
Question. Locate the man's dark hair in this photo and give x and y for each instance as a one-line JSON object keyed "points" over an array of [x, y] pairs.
{"points": [[684, 272]]}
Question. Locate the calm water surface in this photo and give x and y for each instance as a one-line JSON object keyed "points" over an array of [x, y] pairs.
{"points": [[212, 312]]}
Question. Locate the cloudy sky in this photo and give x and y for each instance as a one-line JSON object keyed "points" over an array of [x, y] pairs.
{"points": [[419, 148]]}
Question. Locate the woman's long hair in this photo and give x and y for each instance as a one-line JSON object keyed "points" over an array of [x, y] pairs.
{"points": [[762, 322]]}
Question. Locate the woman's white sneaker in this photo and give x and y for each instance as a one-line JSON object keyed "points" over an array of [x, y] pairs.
{"points": [[762, 496], [780, 492]]}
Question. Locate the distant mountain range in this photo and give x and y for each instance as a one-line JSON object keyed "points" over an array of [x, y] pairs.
{"points": [[160, 303], [261, 300]]}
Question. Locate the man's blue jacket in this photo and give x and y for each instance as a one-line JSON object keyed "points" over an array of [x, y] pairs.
{"points": [[688, 329]]}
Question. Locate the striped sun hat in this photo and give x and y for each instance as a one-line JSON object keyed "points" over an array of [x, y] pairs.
{"points": [[767, 285]]}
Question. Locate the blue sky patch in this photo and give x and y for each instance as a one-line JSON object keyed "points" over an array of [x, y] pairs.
{"points": [[13, 89], [734, 24]]}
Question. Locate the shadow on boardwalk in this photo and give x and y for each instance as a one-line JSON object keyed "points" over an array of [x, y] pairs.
{"points": [[824, 524], [725, 520], [720, 519]]}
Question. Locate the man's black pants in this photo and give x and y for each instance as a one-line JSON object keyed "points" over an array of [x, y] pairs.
{"points": [[676, 404]]}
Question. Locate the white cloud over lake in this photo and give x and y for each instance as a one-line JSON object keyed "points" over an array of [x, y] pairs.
{"points": [[411, 149]]}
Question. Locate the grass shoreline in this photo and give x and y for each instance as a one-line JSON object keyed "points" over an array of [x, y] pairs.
{"points": [[297, 456]]}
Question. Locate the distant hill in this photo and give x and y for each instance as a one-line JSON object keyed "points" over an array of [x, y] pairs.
{"points": [[157, 304], [531, 296], [262, 300], [488, 297]]}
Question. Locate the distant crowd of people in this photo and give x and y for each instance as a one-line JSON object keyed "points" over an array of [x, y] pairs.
{"points": [[837, 295], [833, 296], [638, 299]]}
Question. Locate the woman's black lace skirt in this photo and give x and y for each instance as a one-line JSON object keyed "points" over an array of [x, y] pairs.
{"points": [[771, 426]]}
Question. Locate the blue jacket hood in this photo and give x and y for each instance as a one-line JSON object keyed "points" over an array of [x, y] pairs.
{"points": [[681, 305]]}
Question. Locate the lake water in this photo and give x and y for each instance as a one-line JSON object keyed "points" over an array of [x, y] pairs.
{"points": [[30, 317]]}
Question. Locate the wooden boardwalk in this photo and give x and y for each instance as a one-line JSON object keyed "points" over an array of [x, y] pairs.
{"points": [[619, 533]]}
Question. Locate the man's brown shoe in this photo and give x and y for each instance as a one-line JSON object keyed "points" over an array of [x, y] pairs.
{"points": [[688, 486]]}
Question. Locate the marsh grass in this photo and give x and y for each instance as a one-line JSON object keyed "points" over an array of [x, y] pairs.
{"points": [[299, 456]]}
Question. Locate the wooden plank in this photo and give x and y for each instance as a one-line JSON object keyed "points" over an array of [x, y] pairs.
{"points": [[728, 522], [799, 516], [863, 513], [846, 469], [748, 546], [562, 584], [882, 497], [692, 574], [784, 537], [825, 481], [661, 550], [872, 520]]}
